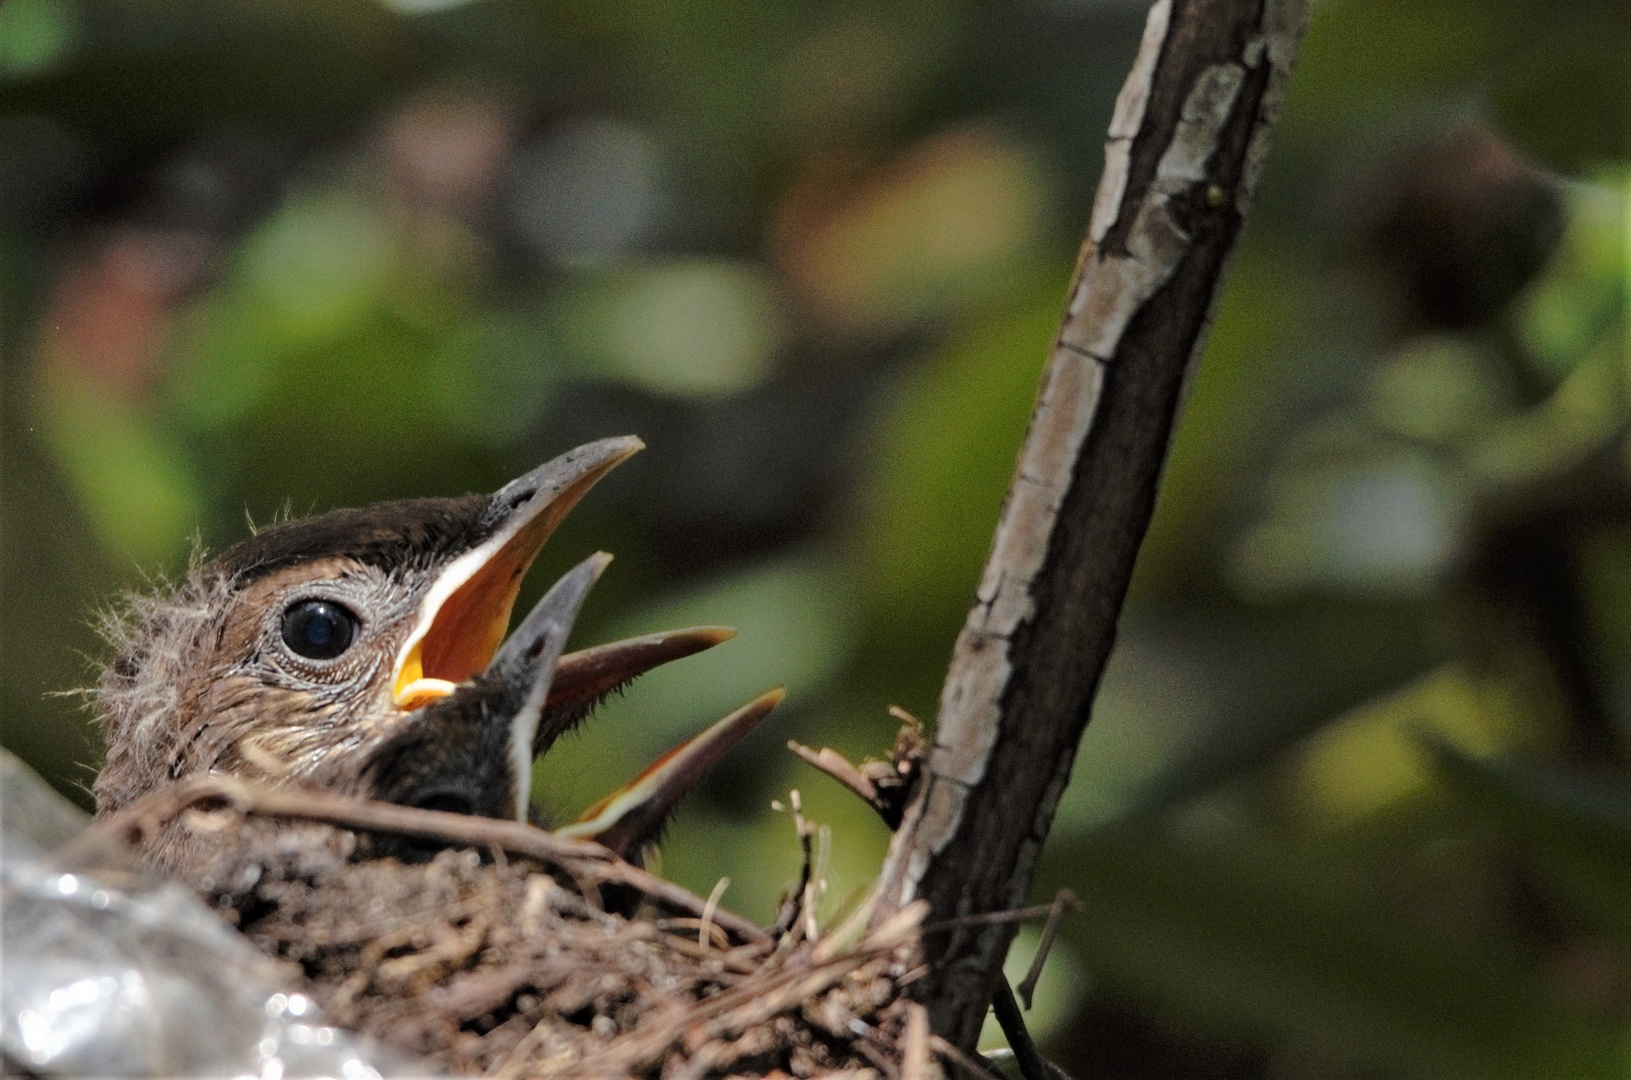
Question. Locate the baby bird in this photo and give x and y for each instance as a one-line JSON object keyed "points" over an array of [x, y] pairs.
{"points": [[363, 652]]}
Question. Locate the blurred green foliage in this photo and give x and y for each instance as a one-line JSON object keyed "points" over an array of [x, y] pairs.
{"points": [[1353, 800]]}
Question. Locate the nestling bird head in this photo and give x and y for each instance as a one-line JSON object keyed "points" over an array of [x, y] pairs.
{"points": [[363, 652]]}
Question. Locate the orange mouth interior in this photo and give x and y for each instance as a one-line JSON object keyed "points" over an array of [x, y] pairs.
{"points": [[464, 618], [470, 624]]}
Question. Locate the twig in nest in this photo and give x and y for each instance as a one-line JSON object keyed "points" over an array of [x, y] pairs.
{"points": [[1065, 902], [743, 960], [777, 986], [915, 1060], [706, 926], [787, 916], [583, 859], [816, 887]]}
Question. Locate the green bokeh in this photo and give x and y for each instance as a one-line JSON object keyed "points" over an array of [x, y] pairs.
{"points": [[259, 258]]}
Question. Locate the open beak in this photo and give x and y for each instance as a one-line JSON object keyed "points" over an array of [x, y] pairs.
{"points": [[631, 818], [470, 751], [584, 678], [466, 612], [483, 706]]}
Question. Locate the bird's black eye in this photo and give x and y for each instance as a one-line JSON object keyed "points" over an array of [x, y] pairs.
{"points": [[318, 629]]}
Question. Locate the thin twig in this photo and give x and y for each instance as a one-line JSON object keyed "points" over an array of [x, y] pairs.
{"points": [[1065, 902], [1031, 1062], [1012, 915], [874, 1050], [704, 930], [731, 959], [787, 916], [963, 1061]]}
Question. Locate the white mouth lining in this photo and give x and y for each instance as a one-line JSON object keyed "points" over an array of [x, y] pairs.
{"points": [[523, 728], [458, 572]]}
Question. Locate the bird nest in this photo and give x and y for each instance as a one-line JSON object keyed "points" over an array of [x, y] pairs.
{"points": [[508, 951]]}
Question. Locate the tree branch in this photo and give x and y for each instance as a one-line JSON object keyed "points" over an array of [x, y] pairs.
{"points": [[1191, 127]]}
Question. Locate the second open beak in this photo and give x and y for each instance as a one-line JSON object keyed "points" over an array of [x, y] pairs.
{"points": [[470, 751]]}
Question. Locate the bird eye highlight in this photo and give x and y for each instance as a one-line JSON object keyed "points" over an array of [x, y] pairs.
{"points": [[318, 629]]}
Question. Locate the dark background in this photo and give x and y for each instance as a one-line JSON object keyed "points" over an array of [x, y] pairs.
{"points": [[1351, 804]]}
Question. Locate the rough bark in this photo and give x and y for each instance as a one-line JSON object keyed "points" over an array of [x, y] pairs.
{"points": [[1191, 127]]}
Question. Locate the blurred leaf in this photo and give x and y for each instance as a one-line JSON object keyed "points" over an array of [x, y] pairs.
{"points": [[692, 328], [228, 355], [944, 450], [1573, 303], [424, 7], [1577, 826], [308, 275], [35, 35], [1585, 413], [1260, 355], [943, 229], [318, 262], [1366, 60], [857, 69], [1367, 761], [350, 419], [1155, 698], [1350, 513], [134, 483], [494, 375], [1562, 92], [1265, 702], [1605, 580], [588, 190], [1239, 942], [1554, 78], [1437, 389]]}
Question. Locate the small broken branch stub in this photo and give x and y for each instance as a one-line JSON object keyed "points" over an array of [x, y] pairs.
{"points": [[883, 785]]}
